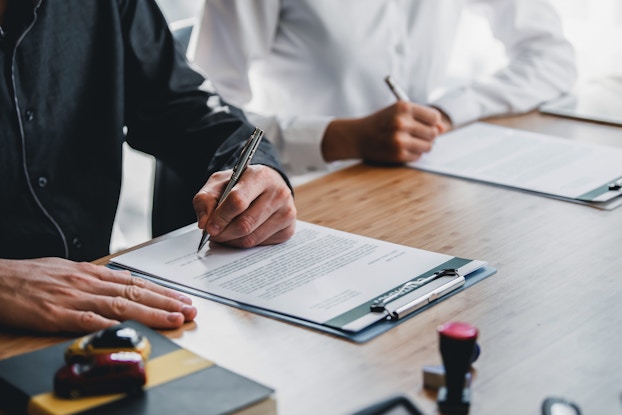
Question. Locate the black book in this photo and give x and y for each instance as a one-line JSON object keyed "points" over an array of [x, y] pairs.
{"points": [[178, 382]]}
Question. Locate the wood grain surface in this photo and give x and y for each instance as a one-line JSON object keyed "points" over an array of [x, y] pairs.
{"points": [[550, 320]]}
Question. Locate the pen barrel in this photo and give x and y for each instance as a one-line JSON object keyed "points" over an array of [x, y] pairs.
{"points": [[457, 342]]}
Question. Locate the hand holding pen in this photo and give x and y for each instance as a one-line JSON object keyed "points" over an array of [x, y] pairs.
{"points": [[443, 125], [398, 133], [259, 210], [246, 155]]}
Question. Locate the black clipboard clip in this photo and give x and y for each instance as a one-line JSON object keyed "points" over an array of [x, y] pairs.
{"points": [[617, 185], [384, 304]]}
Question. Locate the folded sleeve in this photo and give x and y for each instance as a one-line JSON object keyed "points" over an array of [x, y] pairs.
{"points": [[541, 63]]}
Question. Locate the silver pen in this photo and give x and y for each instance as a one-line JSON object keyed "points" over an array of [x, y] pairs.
{"points": [[244, 160], [396, 89]]}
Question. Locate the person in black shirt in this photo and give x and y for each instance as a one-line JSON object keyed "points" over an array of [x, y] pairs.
{"points": [[78, 79]]}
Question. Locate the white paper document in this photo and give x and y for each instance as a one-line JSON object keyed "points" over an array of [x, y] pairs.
{"points": [[320, 275], [552, 166]]}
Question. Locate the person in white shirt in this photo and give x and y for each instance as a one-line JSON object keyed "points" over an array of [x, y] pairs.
{"points": [[310, 72]]}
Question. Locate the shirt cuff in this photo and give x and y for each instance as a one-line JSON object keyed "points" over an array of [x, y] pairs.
{"points": [[461, 106], [302, 143]]}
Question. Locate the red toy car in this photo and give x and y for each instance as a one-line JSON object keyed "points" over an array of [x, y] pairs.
{"points": [[122, 372]]}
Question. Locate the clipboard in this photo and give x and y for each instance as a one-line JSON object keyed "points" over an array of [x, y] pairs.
{"points": [[563, 169], [382, 325], [348, 285], [605, 193], [598, 100]]}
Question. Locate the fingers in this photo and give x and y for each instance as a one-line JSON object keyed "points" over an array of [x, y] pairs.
{"points": [[400, 145], [105, 311], [263, 237], [123, 284], [238, 200], [124, 279], [98, 297], [93, 312], [132, 298], [67, 320], [121, 295], [119, 302], [122, 308], [413, 131], [57, 295], [419, 121], [427, 116], [258, 210], [276, 228], [206, 200]]}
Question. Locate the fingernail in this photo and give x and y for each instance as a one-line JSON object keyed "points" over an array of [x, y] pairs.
{"points": [[175, 318], [214, 229], [188, 309], [185, 299], [189, 312]]}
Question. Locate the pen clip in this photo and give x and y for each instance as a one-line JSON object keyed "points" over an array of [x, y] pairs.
{"points": [[246, 155], [379, 305], [247, 152]]}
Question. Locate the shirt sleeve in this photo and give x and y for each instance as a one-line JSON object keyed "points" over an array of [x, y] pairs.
{"points": [[540, 65], [172, 111], [230, 36]]}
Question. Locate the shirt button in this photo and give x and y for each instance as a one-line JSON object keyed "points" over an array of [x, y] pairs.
{"points": [[77, 243], [30, 115], [399, 48], [42, 182]]}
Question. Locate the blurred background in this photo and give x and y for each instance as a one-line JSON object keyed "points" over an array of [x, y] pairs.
{"points": [[593, 26]]}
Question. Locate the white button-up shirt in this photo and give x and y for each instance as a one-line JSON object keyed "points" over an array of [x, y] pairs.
{"points": [[294, 65]]}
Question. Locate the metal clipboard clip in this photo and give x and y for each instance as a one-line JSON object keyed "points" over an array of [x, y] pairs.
{"points": [[617, 185], [413, 295]]}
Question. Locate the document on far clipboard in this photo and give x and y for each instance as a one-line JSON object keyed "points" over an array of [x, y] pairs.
{"points": [[540, 163], [320, 275]]}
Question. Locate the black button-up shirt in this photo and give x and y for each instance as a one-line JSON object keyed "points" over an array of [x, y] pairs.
{"points": [[75, 73]]}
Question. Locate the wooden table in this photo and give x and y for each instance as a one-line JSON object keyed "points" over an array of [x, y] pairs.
{"points": [[550, 320]]}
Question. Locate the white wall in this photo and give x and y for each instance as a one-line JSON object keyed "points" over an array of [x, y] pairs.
{"points": [[595, 29], [593, 26]]}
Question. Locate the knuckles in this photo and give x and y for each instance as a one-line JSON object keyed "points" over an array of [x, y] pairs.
{"points": [[237, 201], [288, 233], [247, 241], [87, 268], [403, 107], [399, 124], [289, 214], [119, 305], [133, 293], [246, 224], [283, 193]]}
